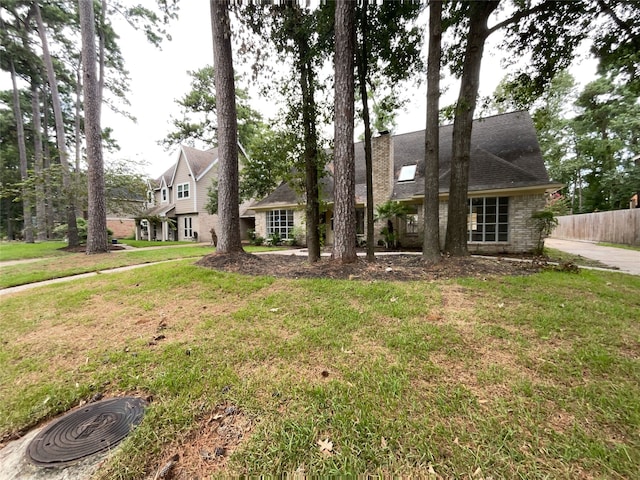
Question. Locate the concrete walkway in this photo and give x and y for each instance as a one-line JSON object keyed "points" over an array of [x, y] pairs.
{"points": [[29, 286], [627, 261]]}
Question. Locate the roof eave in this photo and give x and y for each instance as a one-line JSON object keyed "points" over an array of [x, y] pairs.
{"points": [[530, 189]]}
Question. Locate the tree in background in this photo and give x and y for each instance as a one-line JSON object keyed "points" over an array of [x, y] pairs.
{"points": [[72, 230], [199, 118], [303, 36], [588, 138], [59, 25], [431, 241], [456, 236], [268, 148], [344, 246], [607, 132], [22, 152], [97, 211], [228, 190], [387, 53]]}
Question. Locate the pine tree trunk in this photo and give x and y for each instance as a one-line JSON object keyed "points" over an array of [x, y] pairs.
{"points": [[431, 241], [228, 189], [344, 247], [41, 213], [78, 132], [456, 238], [361, 62], [310, 154], [97, 239], [22, 154], [72, 228], [48, 193], [101, 53]]}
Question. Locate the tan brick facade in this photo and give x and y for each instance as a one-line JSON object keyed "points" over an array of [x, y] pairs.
{"points": [[122, 227], [383, 174]]}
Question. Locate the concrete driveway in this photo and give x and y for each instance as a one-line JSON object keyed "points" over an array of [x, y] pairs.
{"points": [[628, 261]]}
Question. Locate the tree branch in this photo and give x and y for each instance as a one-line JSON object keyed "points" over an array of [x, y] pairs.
{"points": [[519, 16]]}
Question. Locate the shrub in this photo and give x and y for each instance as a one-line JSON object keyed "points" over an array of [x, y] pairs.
{"points": [[272, 240], [60, 232], [544, 222]]}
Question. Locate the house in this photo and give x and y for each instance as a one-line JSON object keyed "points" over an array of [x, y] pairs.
{"points": [[507, 183], [123, 206], [178, 200]]}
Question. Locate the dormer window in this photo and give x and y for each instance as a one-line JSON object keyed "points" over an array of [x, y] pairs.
{"points": [[407, 173], [183, 190], [164, 194]]}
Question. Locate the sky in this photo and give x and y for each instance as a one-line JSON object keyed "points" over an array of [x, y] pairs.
{"points": [[159, 77]]}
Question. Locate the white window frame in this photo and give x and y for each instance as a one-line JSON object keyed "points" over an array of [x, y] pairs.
{"points": [[488, 220], [182, 193], [411, 224], [188, 227], [280, 222], [164, 195]]}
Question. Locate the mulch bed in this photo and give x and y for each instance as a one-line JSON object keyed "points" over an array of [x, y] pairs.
{"points": [[389, 267]]}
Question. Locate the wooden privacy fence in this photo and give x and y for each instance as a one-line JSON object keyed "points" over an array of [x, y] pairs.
{"points": [[618, 226]]}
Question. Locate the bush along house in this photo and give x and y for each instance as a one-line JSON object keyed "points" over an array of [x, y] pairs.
{"points": [[508, 182], [178, 199]]}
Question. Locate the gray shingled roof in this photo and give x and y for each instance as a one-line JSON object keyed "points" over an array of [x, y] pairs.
{"points": [[198, 160], [504, 154], [168, 175], [160, 210]]}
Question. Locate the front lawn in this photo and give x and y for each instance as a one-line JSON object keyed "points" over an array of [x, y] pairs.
{"points": [[508, 377], [23, 251], [70, 264]]}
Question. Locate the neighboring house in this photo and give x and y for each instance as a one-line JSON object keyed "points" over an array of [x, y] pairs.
{"points": [[507, 183], [123, 206], [178, 199]]}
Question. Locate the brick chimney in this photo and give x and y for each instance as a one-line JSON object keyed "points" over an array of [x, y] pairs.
{"points": [[383, 168]]}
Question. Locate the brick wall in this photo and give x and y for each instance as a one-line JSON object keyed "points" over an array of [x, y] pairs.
{"points": [[522, 233], [382, 153], [122, 227], [261, 224]]}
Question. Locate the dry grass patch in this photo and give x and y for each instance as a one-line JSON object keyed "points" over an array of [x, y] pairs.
{"points": [[206, 451]]}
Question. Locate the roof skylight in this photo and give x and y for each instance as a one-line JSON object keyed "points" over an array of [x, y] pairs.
{"points": [[407, 173]]}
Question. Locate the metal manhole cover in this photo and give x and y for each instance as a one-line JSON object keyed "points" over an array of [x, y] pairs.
{"points": [[85, 431]]}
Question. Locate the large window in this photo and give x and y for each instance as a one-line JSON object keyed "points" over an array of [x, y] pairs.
{"points": [[183, 190], [280, 222], [188, 227], [488, 219]]}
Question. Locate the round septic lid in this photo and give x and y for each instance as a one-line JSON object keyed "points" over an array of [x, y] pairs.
{"points": [[91, 429]]}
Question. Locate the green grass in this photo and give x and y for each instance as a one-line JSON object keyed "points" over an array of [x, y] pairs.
{"points": [[530, 377], [78, 263], [560, 257], [617, 245], [22, 251]]}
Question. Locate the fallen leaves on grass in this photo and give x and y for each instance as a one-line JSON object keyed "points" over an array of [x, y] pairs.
{"points": [[326, 447]]}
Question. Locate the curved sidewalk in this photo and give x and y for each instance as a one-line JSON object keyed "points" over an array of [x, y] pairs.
{"points": [[625, 260]]}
